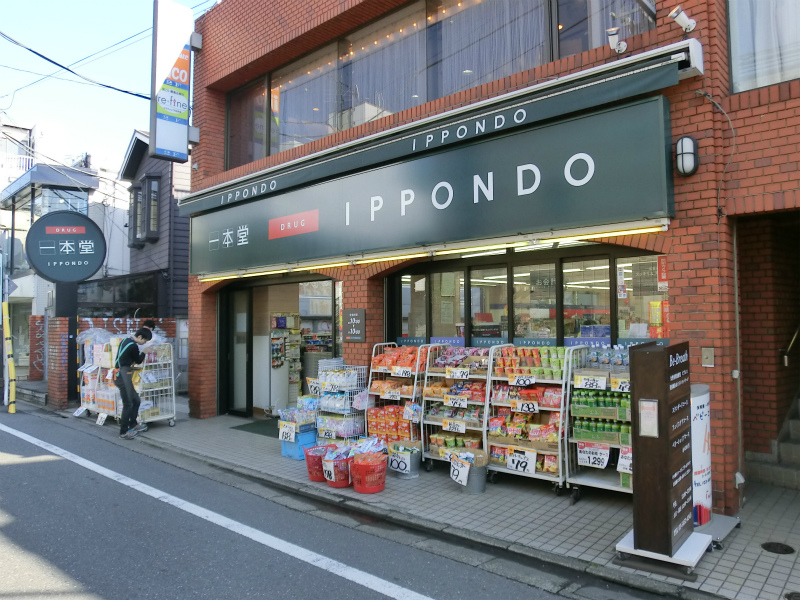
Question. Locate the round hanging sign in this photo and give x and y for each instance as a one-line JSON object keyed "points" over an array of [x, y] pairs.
{"points": [[65, 247]]}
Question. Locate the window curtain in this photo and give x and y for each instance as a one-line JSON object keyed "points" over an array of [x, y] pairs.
{"points": [[765, 42], [479, 42]]}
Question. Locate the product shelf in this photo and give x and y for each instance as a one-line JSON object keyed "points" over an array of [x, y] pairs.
{"points": [[606, 479], [610, 445], [549, 452], [437, 399], [334, 421], [541, 408], [537, 475], [543, 381], [472, 426]]}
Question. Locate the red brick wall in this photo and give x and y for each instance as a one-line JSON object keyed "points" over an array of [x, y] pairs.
{"points": [[57, 347], [243, 40], [770, 313], [36, 338]]}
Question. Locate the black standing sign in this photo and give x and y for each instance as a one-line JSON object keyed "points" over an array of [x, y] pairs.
{"points": [[354, 325], [662, 441]]}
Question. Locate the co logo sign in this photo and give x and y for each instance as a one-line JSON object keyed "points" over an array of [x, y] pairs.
{"points": [[181, 75]]}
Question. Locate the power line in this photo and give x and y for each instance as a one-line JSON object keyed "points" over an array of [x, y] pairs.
{"points": [[34, 73]]}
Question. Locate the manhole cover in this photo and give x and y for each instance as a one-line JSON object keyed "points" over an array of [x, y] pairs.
{"points": [[792, 596], [778, 548]]}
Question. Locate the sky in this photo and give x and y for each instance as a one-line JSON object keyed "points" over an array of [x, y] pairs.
{"points": [[76, 118]]}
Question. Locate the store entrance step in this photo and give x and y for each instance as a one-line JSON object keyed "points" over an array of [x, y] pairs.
{"points": [[790, 453], [784, 476], [794, 429]]}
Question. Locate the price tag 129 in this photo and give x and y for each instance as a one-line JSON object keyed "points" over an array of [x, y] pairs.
{"points": [[313, 386], [625, 462], [459, 470], [402, 371], [522, 380], [453, 426], [593, 455], [287, 431], [455, 401], [457, 373], [524, 407], [590, 383], [521, 460]]}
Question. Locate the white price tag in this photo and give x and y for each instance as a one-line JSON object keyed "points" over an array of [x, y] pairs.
{"points": [[590, 383], [521, 460], [459, 470], [101, 418], [330, 387], [625, 462], [313, 386], [327, 434], [287, 431], [382, 370], [400, 462], [522, 380], [524, 407], [593, 455], [391, 395], [327, 470], [79, 412], [453, 426], [455, 401], [619, 384], [402, 371], [361, 401], [457, 373]]}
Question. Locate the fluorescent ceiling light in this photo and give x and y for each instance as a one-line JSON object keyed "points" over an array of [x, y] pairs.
{"points": [[521, 274], [596, 268], [624, 264], [571, 270], [594, 287], [492, 253]]}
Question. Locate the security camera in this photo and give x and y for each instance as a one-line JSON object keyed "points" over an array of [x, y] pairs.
{"points": [[613, 40], [682, 19]]}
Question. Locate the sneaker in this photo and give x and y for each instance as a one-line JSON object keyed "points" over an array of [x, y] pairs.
{"points": [[128, 436], [140, 428]]}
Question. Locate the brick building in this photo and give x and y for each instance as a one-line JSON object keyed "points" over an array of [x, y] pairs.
{"points": [[426, 153]]}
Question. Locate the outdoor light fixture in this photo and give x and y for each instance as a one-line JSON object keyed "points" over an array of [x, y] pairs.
{"points": [[682, 19], [686, 155], [613, 40]]}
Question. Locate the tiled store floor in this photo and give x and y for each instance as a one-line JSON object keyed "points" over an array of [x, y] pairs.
{"points": [[527, 512]]}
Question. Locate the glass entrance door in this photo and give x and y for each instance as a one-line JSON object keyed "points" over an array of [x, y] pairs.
{"points": [[237, 396]]}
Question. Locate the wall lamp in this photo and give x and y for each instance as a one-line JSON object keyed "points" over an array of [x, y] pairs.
{"points": [[686, 155], [613, 40], [682, 19]]}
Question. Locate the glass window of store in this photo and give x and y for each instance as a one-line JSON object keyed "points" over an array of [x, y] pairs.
{"points": [[582, 24], [587, 304], [535, 320], [447, 307], [489, 306], [414, 313], [643, 312], [247, 124], [47, 200], [764, 42]]}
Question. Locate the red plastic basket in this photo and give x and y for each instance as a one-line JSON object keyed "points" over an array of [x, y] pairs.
{"points": [[341, 473], [314, 461], [369, 478]]}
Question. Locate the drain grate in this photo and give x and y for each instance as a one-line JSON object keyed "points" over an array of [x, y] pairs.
{"points": [[778, 548], [792, 596]]}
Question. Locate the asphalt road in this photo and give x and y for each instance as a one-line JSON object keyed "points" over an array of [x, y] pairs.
{"points": [[70, 532]]}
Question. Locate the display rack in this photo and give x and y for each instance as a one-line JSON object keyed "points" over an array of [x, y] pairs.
{"points": [[394, 388], [541, 453], [599, 399], [440, 413], [343, 401]]}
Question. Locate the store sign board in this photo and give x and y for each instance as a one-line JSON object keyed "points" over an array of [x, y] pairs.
{"points": [[65, 247], [662, 483], [500, 186], [355, 321]]}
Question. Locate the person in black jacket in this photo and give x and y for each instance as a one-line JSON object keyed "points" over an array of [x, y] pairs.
{"points": [[128, 355]]}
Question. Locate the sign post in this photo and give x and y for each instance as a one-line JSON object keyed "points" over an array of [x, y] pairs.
{"points": [[662, 473]]}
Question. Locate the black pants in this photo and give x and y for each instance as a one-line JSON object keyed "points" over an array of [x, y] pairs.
{"points": [[130, 399]]}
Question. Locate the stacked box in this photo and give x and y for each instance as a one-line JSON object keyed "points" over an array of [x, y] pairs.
{"points": [[295, 449]]}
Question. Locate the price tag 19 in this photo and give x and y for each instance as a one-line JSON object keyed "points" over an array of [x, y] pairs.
{"points": [[287, 431], [330, 387], [619, 384], [453, 426], [400, 462], [327, 470], [402, 371], [524, 407], [391, 395], [625, 462], [522, 380], [593, 455], [101, 418], [459, 470], [313, 386], [590, 383], [457, 373], [521, 460], [79, 412], [327, 434], [455, 401]]}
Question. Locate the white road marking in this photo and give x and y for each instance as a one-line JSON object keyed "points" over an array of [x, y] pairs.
{"points": [[362, 578]]}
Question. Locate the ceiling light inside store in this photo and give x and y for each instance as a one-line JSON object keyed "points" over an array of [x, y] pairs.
{"points": [[624, 264], [521, 274], [571, 270], [594, 287], [596, 268]]}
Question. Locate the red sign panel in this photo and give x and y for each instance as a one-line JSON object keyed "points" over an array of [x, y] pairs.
{"points": [[64, 229], [296, 224]]}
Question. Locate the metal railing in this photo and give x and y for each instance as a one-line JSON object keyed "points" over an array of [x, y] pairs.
{"points": [[15, 162], [785, 353]]}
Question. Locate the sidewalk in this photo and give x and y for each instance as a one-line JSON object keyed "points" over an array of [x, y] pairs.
{"points": [[523, 515]]}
